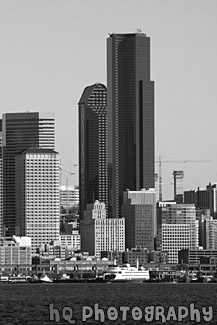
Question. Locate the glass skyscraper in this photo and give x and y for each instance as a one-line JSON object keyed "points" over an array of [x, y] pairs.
{"points": [[21, 131], [92, 146], [130, 111]]}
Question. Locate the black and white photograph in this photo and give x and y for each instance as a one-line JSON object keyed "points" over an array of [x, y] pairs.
{"points": [[108, 162]]}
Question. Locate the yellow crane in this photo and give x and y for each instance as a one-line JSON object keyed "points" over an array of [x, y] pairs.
{"points": [[160, 162]]}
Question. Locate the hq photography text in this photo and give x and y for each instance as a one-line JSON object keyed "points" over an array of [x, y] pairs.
{"points": [[123, 313]]}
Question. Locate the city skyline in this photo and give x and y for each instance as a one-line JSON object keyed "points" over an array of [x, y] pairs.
{"points": [[45, 65]]}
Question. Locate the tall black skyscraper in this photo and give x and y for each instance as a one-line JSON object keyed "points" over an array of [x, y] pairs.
{"points": [[21, 131], [93, 146], [130, 116]]}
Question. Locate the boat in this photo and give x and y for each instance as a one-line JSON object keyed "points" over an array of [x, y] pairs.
{"points": [[18, 279], [126, 273], [45, 279], [4, 279]]}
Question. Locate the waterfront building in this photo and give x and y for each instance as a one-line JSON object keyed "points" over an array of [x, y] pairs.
{"points": [[158, 257], [179, 228], [135, 255], [16, 251], [99, 233], [131, 147], [139, 211], [197, 256], [63, 248], [37, 195], [21, 131], [92, 146]]}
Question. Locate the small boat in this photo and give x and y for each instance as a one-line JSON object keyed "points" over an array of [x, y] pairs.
{"points": [[4, 279], [45, 278]]}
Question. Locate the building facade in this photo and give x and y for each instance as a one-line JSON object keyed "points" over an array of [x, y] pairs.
{"points": [[21, 131], [72, 241], [135, 255], [93, 146], [139, 211], [69, 196], [178, 228], [209, 233], [203, 198], [37, 195], [16, 251], [130, 117], [196, 256], [178, 176], [99, 233]]}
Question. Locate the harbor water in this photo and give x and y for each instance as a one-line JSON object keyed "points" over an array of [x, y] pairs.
{"points": [[108, 303]]}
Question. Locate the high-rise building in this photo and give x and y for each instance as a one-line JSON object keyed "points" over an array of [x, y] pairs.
{"points": [[178, 228], [130, 117], [92, 146], [178, 176], [21, 131], [139, 211], [100, 234], [37, 195], [207, 230], [203, 198]]}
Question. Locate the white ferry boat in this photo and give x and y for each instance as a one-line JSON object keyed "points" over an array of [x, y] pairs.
{"points": [[126, 273]]}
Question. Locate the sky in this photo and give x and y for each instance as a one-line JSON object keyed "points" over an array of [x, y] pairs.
{"points": [[50, 50]]}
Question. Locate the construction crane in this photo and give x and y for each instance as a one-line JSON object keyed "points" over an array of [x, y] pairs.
{"points": [[160, 162]]}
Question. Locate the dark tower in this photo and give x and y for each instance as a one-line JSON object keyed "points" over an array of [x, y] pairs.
{"points": [[92, 146], [130, 117]]}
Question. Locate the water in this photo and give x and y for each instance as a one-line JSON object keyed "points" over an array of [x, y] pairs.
{"points": [[29, 303]]}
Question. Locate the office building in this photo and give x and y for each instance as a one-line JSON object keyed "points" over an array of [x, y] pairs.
{"points": [[197, 256], [100, 234], [202, 215], [72, 241], [139, 211], [130, 117], [178, 228], [16, 251], [207, 230], [37, 195], [21, 131], [203, 198], [92, 146]]}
